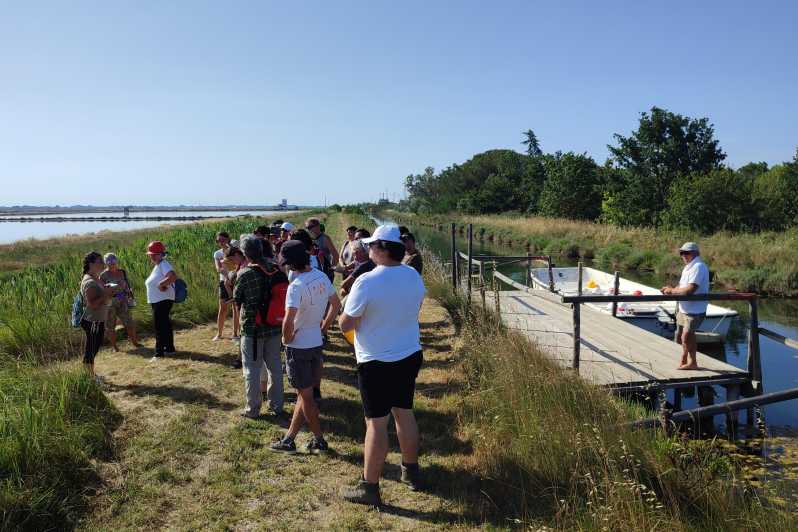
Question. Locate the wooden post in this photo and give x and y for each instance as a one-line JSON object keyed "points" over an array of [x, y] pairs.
{"points": [[677, 399], [470, 254], [551, 275], [579, 285], [496, 294], [616, 285], [664, 413], [482, 273], [754, 361], [454, 260], [577, 338], [732, 394], [528, 282]]}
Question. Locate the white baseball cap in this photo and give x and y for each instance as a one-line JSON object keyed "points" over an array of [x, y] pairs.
{"points": [[287, 226], [387, 232], [689, 246]]}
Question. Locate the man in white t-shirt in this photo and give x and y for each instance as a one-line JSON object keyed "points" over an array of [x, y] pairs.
{"points": [[690, 314], [311, 305], [383, 309]]}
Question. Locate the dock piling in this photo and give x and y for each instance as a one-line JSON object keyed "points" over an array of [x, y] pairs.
{"points": [[470, 255], [551, 274], [454, 260], [616, 285]]}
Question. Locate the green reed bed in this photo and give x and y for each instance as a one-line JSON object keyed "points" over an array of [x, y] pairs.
{"points": [[554, 454], [35, 303], [763, 262]]}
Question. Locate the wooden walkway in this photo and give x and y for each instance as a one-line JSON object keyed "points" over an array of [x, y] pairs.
{"points": [[613, 353]]}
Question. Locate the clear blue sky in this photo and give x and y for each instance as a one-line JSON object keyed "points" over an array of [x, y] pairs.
{"points": [[249, 102]]}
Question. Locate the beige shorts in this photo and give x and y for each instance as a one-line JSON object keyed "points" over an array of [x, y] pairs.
{"points": [[689, 322], [118, 311]]}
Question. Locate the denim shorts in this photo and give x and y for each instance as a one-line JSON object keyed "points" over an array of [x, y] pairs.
{"points": [[304, 366]]}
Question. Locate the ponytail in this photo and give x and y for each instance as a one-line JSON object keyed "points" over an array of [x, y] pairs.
{"points": [[88, 260]]}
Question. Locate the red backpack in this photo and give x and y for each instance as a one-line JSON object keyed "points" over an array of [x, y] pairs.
{"points": [[274, 302]]}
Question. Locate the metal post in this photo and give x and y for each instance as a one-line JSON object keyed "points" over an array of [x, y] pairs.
{"points": [[577, 339], [551, 275], [528, 270], [454, 260], [754, 361], [470, 254], [616, 285], [579, 285]]}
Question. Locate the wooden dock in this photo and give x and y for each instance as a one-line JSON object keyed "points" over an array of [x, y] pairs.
{"points": [[614, 353]]}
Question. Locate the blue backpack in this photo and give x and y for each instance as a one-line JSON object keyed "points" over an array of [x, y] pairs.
{"points": [[77, 311], [181, 291]]}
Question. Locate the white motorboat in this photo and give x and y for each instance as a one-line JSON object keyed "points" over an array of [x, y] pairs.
{"points": [[657, 317]]}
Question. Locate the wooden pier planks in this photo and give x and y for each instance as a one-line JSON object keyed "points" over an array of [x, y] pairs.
{"points": [[613, 352]]}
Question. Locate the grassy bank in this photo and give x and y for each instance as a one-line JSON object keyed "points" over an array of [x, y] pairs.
{"points": [[551, 454], [765, 262]]}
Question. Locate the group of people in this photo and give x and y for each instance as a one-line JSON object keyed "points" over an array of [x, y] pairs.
{"points": [[382, 290]]}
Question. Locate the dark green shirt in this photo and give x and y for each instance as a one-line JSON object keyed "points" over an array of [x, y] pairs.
{"points": [[250, 294]]}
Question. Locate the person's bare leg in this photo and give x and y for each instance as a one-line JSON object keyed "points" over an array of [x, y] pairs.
{"points": [[692, 349], [221, 316], [297, 418], [131, 334], [407, 432], [375, 448], [110, 332]]}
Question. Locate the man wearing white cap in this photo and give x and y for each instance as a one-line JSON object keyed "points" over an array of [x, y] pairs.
{"points": [[382, 309], [694, 280]]}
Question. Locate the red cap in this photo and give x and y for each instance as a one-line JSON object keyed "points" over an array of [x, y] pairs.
{"points": [[156, 247]]}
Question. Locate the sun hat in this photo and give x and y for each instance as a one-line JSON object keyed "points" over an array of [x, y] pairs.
{"points": [[287, 226], [387, 232], [292, 252], [110, 258], [689, 246], [156, 247]]}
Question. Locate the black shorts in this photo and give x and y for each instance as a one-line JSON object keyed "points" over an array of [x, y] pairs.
{"points": [[304, 366], [223, 294], [385, 385]]}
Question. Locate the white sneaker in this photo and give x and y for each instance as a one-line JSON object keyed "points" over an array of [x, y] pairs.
{"points": [[155, 359], [216, 338]]}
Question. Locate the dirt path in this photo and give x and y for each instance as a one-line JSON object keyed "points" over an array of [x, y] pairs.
{"points": [[186, 460]]}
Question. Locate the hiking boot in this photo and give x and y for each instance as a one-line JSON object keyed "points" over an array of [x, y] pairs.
{"points": [[284, 445], [411, 476], [317, 445], [363, 493]]}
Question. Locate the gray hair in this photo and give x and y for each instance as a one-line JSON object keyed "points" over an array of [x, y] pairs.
{"points": [[252, 247]]}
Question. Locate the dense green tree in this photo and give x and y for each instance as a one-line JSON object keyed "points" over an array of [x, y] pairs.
{"points": [[752, 170], [572, 187], [718, 200], [664, 146], [775, 196], [531, 143]]}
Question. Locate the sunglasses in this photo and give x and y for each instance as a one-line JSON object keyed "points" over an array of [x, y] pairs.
{"points": [[683, 253]]}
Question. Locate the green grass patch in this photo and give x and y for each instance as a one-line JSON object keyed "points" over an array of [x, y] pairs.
{"points": [[53, 423]]}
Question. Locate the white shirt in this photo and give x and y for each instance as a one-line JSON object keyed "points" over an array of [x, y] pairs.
{"points": [[309, 293], [387, 300], [695, 272], [154, 294], [314, 263], [218, 257]]}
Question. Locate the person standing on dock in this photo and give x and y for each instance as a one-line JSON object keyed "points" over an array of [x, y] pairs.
{"points": [[690, 314], [383, 310]]}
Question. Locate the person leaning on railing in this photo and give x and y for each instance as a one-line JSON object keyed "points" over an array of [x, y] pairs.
{"points": [[690, 314]]}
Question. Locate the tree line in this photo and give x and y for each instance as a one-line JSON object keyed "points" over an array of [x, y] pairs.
{"points": [[669, 172]]}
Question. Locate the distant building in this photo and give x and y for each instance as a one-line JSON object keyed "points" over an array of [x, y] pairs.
{"points": [[284, 204]]}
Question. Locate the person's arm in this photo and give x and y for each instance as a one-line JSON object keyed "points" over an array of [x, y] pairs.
{"points": [[332, 312], [168, 280], [347, 285], [332, 251], [288, 325], [217, 263], [348, 323], [96, 297], [680, 290]]}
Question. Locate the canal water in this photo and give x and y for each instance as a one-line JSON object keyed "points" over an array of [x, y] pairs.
{"points": [[779, 363], [14, 231]]}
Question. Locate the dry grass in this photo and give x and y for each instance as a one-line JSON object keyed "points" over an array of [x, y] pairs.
{"points": [[186, 460]]}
